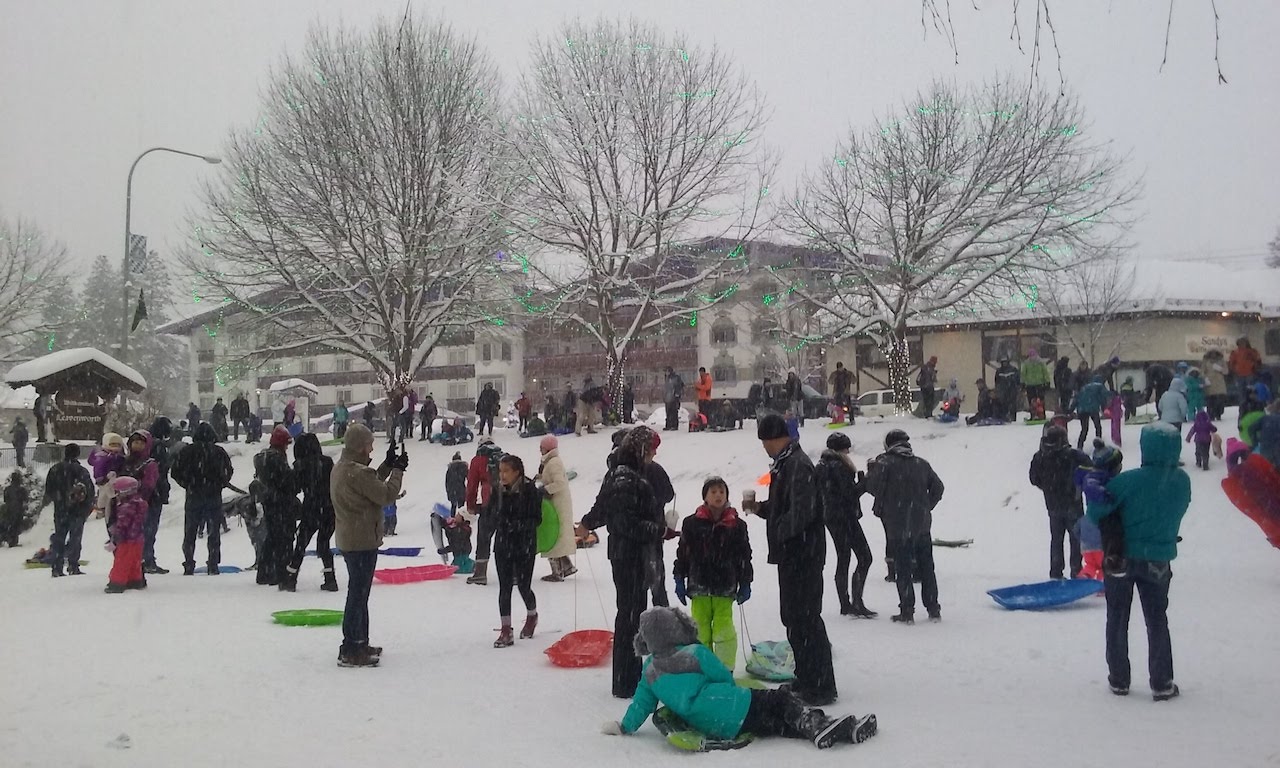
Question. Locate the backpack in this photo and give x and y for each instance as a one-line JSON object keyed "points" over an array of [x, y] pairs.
{"points": [[78, 493]]}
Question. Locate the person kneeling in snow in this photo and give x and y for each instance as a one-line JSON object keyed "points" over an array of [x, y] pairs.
{"points": [[688, 678]]}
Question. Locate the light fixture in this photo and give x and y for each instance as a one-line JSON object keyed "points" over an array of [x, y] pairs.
{"points": [[1226, 314]]}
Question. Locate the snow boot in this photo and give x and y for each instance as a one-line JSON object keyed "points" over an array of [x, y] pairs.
{"points": [[154, 568], [903, 618], [289, 583], [555, 574], [464, 564], [74, 570], [1171, 692], [834, 730], [330, 582], [892, 574], [56, 571], [481, 574], [935, 615], [530, 624], [188, 569], [114, 589], [842, 592], [864, 728], [361, 657], [212, 569], [505, 640], [139, 584]]}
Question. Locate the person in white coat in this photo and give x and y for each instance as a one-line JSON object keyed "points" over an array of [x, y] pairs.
{"points": [[1173, 404], [554, 480]]}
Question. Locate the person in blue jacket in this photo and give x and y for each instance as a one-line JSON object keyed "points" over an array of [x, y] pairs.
{"points": [[1090, 401], [688, 678], [1151, 501]]}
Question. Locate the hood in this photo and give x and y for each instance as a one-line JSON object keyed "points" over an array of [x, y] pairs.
{"points": [[307, 446], [357, 438], [955, 383], [1054, 437], [205, 433], [1179, 386], [1097, 379], [1161, 445], [146, 439], [161, 428], [663, 630], [1202, 419]]}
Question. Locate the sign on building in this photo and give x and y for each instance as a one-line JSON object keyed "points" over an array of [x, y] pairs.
{"points": [[1199, 344]]}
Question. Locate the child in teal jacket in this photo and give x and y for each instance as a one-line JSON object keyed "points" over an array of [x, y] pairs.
{"points": [[1151, 502], [689, 679]]}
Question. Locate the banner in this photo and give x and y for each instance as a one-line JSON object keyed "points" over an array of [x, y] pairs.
{"points": [[1197, 345]]}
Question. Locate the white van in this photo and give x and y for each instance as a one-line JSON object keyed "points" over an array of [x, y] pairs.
{"points": [[881, 402]]}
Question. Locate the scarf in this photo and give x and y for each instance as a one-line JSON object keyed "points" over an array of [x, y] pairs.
{"points": [[728, 518], [901, 449]]}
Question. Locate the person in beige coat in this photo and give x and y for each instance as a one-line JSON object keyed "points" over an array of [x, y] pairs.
{"points": [[1214, 371], [359, 493], [555, 482]]}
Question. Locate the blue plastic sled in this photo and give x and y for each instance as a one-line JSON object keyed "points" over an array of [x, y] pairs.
{"points": [[385, 551], [221, 569], [1045, 594]]}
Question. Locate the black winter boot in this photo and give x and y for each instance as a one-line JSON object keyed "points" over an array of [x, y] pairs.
{"points": [[860, 610], [330, 582], [842, 592], [892, 575], [289, 582]]}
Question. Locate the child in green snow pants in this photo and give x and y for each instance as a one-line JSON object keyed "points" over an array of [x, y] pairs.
{"points": [[714, 616]]}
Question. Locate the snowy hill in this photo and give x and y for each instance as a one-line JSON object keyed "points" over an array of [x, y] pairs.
{"points": [[195, 674]]}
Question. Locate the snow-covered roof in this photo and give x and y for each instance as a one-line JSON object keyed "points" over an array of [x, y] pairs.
{"points": [[287, 384], [56, 362]]}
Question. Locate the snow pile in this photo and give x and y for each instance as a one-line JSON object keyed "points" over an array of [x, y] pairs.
{"points": [[287, 384], [55, 362], [196, 674]]}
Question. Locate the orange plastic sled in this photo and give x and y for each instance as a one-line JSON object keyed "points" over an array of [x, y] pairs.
{"points": [[584, 648]]}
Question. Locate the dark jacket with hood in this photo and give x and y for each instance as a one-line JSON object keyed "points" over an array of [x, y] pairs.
{"points": [[455, 482], [1053, 472], [203, 468], [314, 472], [906, 490], [793, 513], [1007, 381], [839, 488], [277, 480], [59, 483], [625, 505], [163, 453], [518, 517], [1062, 375], [714, 556]]}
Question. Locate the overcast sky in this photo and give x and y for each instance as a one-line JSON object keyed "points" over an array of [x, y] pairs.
{"points": [[87, 84]]}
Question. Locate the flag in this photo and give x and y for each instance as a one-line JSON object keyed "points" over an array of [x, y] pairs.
{"points": [[140, 313]]}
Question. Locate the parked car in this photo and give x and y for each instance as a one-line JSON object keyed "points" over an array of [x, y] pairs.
{"points": [[881, 402]]}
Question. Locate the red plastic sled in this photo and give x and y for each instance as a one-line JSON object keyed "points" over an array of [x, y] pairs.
{"points": [[1253, 486], [414, 573], [584, 648]]}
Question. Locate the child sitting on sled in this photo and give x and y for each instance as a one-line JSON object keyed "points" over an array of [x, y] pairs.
{"points": [[684, 675]]}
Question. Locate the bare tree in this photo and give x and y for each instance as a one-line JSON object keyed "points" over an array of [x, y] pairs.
{"points": [[357, 215], [32, 271], [1085, 302], [631, 142], [943, 208], [1034, 19]]}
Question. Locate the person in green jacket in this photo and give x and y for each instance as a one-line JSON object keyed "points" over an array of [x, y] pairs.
{"points": [[1035, 377], [1151, 502], [688, 678]]}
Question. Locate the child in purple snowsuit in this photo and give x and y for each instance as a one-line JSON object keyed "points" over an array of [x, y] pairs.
{"points": [[1202, 432], [106, 462]]}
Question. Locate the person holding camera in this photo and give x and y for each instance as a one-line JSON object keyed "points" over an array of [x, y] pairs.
{"points": [[359, 493]]}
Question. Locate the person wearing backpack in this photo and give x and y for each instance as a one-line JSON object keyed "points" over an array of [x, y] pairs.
{"points": [[68, 486], [482, 482], [203, 469]]}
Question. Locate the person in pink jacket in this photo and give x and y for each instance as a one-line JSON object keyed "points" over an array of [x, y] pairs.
{"points": [[126, 530]]}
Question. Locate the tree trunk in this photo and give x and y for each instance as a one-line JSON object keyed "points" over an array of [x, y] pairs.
{"points": [[898, 355], [613, 383]]}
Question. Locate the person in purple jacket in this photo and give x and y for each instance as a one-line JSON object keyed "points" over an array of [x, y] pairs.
{"points": [[1202, 431], [139, 465]]}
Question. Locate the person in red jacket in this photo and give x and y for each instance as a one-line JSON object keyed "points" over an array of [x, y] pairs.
{"points": [[524, 407], [1244, 364], [703, 387], [482, 481]]}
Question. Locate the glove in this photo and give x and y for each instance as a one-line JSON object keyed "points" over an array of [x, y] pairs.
{"points": [[391, 455], [744, 593], [611, 728], [670, 534], [1095, 487], [401, 462], [681, 594]]}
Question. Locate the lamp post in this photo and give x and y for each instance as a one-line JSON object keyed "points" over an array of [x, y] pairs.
{"points": [[128, 213]]}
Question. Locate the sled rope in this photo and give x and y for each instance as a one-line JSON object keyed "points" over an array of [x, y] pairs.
{"points": [[596, 583], [744, 638]]}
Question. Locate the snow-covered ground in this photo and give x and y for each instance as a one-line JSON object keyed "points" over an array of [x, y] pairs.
{"points": [[194, 672]]}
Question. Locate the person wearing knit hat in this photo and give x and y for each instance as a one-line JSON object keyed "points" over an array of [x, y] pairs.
{"points": [[554, 480], [278, 485], [1052, 470], [797, 541], [906, 490], [455, 527], [127, 535]]}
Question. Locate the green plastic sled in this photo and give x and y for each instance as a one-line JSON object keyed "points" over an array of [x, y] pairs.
{"points": [[308, 617], [549, 528], [681, 736]]}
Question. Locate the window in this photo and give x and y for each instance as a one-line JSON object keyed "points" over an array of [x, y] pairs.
{"points": [[1271, 342], [871, 398], [342, 364], [887, 398], [506, 351], [486, 352], [458, 356], [725, 375], [724, 332], [459, 390], [308, 367], [422, 392], [343, 395]]}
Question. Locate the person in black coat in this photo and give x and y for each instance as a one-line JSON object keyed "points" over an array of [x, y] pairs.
{"points": [[1081, 378], [907, 490], [1053, 472], [798, 546], [458, 531], [239, 415], [841, 487], [663, 494], [487, 408], [427, 416], [1159, 377], [313, 470], [515, 546], [69, 486], [20, 437], [203, 469], [1062, 382], [625, 506], [276, 485], [1008, 384], [628, 404], [162, 443]]}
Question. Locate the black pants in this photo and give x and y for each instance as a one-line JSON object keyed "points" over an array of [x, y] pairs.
{"points": [[1064, 400], [1061, 526], [800, 606], [514, 568], [483, 421], [202, 510], [631, 588], [1085, 418], [321, 526], [68, 530], [774, 713], [355, 616], [20, 454], [1202, 455], [913, 557], [278, 545], [850, 541], [486, 526], [656, 576], [928, 400], [522, 423], [673, 414], [1152, 580]]}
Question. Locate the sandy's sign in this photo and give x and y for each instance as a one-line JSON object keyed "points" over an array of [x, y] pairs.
{"points": [[1199, 344]]}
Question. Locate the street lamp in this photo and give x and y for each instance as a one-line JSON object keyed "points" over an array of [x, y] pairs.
{"points": [[128, 213]]}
